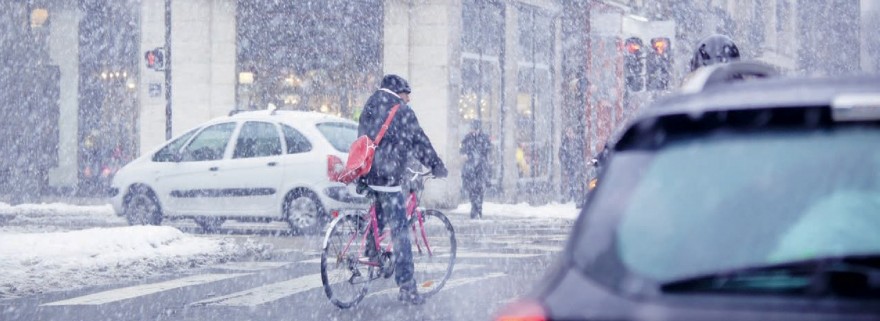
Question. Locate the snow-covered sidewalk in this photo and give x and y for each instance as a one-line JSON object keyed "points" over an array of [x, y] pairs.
{"points": [[38, 262], [47, 247]]}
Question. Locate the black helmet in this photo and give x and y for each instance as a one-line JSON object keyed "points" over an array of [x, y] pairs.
{"points": [[714, 49], [396, 84]]}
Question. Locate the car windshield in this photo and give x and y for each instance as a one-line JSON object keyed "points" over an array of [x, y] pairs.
{"points": [[340, 135], [736, 199]]}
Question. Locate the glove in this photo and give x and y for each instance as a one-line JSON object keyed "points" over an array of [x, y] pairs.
{"points": [[439, 171], [361, 186]]}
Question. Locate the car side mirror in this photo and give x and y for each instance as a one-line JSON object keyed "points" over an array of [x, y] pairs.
{"points": [[177, 157]]}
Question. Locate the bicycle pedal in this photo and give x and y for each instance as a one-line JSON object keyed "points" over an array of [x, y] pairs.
{"points": [[387, 267]]}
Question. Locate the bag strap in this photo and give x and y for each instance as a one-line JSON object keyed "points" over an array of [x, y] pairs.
{"points": [[385, 125]]}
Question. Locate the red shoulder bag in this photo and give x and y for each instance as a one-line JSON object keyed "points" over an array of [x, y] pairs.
{"points": [[360, 155]]}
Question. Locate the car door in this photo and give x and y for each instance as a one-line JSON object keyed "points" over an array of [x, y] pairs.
{"points": [[252, 177], [301, 166], [191, 184]]}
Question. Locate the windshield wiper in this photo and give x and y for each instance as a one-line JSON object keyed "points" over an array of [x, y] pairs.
{"points": [[848, 276]]}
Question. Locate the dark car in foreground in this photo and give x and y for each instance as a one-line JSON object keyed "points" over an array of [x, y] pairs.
{"points": [[755, 200]]}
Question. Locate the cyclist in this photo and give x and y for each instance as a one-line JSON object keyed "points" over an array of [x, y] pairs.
{"points": [[714, 49], [404, 138]]}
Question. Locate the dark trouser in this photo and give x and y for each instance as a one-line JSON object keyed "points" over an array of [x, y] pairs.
{"points": [[475, 193], [390, 208]]}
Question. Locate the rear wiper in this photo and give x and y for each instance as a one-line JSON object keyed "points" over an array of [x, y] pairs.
{"points": [[855, 275]]}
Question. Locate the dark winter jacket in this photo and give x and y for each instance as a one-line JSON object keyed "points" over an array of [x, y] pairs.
{"points": [[404, 138], [476, 147]]}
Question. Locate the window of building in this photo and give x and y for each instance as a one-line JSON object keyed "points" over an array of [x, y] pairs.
{"points": [[534, 106], [297, 55], [481, 76]]}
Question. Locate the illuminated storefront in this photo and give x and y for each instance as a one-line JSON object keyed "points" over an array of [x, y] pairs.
{"points": [[303, 56]]}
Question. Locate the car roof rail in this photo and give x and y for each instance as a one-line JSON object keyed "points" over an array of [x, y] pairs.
{"points": [[719, 74]]}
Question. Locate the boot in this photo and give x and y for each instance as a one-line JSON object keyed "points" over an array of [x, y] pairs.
{"points": [[409, 293], [387, 264]]}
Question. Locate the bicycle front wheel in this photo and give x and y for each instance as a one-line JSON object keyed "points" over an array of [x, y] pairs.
{"points": [[344, 277], [433, 249]]}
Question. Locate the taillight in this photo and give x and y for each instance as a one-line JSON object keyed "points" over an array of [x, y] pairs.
{"points": [[522, 310], [334, 167]]}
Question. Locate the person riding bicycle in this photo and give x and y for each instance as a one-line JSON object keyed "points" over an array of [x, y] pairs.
{"points": [[714, 49], [404, 138]]}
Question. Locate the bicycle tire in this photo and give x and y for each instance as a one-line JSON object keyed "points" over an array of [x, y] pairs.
{"points": [[345, 280], [432, 268]]}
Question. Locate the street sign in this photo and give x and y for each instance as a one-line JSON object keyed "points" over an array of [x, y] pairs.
{"points": [[155, 59]]}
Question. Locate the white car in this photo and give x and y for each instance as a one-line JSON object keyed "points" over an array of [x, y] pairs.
{"points": [[251, 166]]}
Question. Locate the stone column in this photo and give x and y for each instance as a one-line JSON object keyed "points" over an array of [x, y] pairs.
{"points": [[422, 44], [511, 68], [202, 64]]}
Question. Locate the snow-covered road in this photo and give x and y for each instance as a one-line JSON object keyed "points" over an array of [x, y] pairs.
{"points": [[57, 246]]}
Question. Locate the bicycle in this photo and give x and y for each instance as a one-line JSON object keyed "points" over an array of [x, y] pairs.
{"points": [[347, 272]]}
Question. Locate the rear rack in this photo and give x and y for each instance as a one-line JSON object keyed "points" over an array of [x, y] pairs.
{"points": [[715, 75]]}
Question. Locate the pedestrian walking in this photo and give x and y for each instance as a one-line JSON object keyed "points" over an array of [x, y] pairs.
{"points": [[475, 174]]}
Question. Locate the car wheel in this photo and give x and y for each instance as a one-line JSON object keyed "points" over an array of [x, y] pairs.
{"points": [[142, 207], [303, 212], [210, 224]]}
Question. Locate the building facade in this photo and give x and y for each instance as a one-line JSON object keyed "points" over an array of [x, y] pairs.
{"points": [[497, 61], [78, 99]]}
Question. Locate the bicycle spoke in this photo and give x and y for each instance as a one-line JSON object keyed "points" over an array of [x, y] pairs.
{"points": [[345, 279], [434, 249]]}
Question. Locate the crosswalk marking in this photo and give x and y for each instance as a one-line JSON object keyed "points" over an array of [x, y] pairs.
{"points": [[543, 248], [479, 255], [140, 290], [266, 293], [452, 283], [276, 291], [249, 266], [539, 247], [465, 255]]}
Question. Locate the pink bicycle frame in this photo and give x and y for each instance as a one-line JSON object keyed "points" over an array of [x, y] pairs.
{"points": [[411, 208]]}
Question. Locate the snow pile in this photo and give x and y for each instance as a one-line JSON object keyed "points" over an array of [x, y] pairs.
{"points": [[36, 262]]}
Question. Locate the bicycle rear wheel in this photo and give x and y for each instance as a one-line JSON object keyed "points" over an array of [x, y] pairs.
{"points": [[345, 279], [433, 249]]}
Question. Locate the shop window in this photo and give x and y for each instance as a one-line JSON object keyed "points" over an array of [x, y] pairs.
{"points": [[299, 56], [481, 77], [534, 105]]}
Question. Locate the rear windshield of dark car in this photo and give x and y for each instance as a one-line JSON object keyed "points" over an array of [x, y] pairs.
{"points": [[340, 135], [731, 199]]}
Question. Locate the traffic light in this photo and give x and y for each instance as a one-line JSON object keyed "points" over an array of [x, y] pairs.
{"points": [[632, 64], [155, 59], [659, 64]]}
